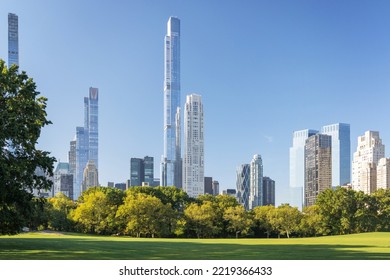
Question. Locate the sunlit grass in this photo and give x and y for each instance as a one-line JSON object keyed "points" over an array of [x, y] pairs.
{"points": [[79, 246]]}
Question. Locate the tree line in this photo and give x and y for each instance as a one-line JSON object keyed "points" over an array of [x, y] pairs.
{"points": [[170, 212]]}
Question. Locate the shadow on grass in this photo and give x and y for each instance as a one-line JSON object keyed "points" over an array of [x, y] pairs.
{"points": [[90, 248]]}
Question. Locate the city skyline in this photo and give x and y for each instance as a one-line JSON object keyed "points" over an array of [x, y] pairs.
{"points": [[264, 75]]}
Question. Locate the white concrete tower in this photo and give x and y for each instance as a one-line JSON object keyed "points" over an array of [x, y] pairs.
{"points": [[193, 162]]}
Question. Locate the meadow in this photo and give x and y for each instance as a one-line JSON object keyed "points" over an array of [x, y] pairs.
{"points": [[68, 246]]}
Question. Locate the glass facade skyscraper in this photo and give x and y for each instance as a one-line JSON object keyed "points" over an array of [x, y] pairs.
{"points": [[341, 152], [243, 184], [256, 182], [171, 160], [92, 126], [297, 166], [142, 171], [87, 140], [13, 39]]}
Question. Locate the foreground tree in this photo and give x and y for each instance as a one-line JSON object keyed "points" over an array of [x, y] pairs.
{"points": [[262, 217], [201, 219], [238, 220], [58, 210], [285, 219], [311, 222], [96, 210], [145, 215], [22, 116]]}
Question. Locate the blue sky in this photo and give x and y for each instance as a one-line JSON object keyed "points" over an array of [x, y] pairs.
{"points": [[263, 68]]}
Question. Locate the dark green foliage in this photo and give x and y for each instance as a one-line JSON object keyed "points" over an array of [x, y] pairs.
{"points": [[22, 116]]}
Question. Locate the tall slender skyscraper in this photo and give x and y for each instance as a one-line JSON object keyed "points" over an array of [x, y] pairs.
{"points": [[92, 126], [297, 166], [87, 140], [256, 182], [341, 152], [13, 39], [170, 163], [193, 163]]}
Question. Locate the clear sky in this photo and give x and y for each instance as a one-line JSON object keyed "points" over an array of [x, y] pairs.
{"points": [[264, 68]]}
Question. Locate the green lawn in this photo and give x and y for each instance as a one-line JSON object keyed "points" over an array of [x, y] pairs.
{"points": [[45, 246]]}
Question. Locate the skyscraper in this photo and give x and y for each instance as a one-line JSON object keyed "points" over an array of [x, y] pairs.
{"points": [[87, 140], [215, 187], [297, 166], [208, 185], [341, 152], [369, 151], [92, 126], [268, 191], [243, 185], [142, 171], [193, 163], [90, 176], [170, 163], [383, 174], [13, 39], [81, 159], [318, 166], [256, 182], [63, 180], [148, 164]]}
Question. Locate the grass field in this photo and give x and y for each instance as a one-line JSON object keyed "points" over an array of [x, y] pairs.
{"points": [[57, 246]]}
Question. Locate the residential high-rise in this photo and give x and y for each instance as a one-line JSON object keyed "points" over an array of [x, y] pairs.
{"points": [[90, 176], [383, 174], [297, 166], [92, 126], [193, 163], [318, 166], [170, 163], [243, 184], [341, 152], [87, 140], [268, 191], [369, 151], [13, 39], [142, 171], [256, 182]]}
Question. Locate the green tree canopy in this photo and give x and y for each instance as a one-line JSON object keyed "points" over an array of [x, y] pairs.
{"points": [[285, 219], [201, 219], [145, 215], [262, 217], [22, 116], [238, 220], [96, 211]]}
